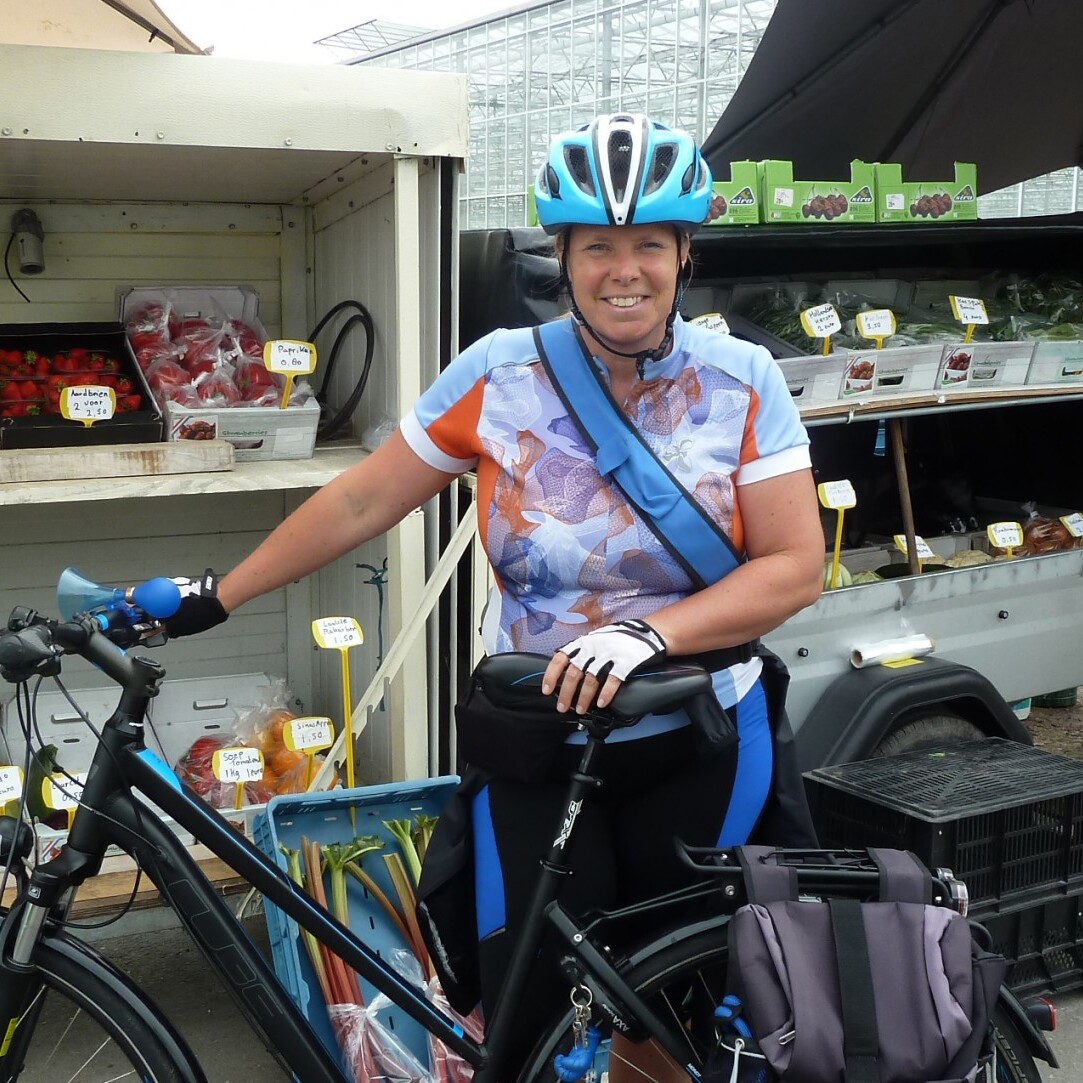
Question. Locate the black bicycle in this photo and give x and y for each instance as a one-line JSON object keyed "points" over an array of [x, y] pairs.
{"points": [[660, 992]]}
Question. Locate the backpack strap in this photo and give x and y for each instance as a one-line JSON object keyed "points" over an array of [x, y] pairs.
{"points": [[672, 513], [860, 1040], [903, 878]]}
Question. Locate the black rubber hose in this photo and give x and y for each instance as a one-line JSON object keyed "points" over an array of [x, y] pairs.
{"points": [[329, 425]]}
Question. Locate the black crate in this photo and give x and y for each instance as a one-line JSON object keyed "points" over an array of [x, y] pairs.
{"points": [[1042, 944], [1005, 817], [142, 426]]}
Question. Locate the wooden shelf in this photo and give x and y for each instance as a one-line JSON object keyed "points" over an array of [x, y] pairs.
{"points": [[927, 402], [274, 474]]}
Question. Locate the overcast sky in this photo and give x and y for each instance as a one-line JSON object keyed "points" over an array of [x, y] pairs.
{"points": [[285, 29]]}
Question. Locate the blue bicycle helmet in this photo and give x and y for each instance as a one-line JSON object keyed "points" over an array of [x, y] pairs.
{"points": [[620, 170]]}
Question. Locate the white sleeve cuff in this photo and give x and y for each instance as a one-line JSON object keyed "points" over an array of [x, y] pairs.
{"points": [[788, 461], [422, 446]]}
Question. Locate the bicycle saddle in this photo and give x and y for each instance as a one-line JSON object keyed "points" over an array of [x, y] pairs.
{"points": [[654, 691]]}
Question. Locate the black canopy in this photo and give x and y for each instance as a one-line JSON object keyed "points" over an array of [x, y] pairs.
{"points": [[921, 82]]}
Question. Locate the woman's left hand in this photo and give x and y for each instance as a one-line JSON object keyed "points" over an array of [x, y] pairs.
{"points": [[591, 668]]}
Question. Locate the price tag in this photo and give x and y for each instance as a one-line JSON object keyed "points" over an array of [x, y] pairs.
{"points": [[1073, 523], [837, 494], [337, 632], [305, 734], [969, 310], [713, 321], [11, 784], [289, 357], [238, 765], [924, 552], [1005, 535], [88, 404], [876, 323], [821, 322], [62, 793]]}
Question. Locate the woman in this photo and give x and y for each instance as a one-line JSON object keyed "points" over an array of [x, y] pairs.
{"points": [[581, 577]]}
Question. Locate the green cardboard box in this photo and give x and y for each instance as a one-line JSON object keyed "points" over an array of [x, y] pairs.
{"points": [[787, 200], [736, 202], [926, 201]]}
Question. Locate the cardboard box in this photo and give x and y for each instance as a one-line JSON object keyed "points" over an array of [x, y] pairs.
{"points": [[898, 370], [141, 426], [821, 202], [926, 201], [256, 432], [1056, 363], [976, 365], [814, 381], [738, 200]]}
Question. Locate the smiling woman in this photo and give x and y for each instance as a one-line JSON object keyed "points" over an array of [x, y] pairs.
{"points": [[590, 570]]}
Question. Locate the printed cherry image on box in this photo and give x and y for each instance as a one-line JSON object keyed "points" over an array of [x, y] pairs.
{"points": [[200, 349]]}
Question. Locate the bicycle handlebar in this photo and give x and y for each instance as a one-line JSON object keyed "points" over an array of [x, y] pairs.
{"points": [[34, 645]]}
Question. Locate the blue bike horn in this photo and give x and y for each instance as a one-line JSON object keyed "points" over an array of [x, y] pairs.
{"points": [[158, 598]]}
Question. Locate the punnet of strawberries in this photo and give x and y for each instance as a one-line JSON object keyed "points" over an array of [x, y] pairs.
{"points": [[32, 381], [201, 361]]}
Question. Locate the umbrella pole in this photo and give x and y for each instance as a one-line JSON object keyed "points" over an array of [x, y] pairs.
{"points": [[898, 449]]}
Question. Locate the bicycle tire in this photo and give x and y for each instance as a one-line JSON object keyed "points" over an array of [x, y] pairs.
{"points": [[693, 971], [86, 1033], [1014, 1061]]}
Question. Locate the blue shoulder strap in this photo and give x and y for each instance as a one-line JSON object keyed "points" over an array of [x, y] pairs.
{"points": [[679, 522]]}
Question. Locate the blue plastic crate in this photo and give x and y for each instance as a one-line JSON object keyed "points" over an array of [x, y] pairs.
{"points": [[325, 818]]}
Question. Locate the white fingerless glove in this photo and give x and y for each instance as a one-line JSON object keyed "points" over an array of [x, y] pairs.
{"points": [[616, 649]]}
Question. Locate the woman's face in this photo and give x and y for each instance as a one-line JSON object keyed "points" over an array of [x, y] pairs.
{"points": [[624, 279]]}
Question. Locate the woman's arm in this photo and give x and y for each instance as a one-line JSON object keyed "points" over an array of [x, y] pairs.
{"points": [[784, 573], [361, 503]]}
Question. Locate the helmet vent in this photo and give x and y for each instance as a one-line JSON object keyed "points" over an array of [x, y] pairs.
{"points": [[620, 162], [665, 154], [578, 166]]}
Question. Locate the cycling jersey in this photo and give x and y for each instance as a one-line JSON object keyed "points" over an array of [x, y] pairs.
{"points": [[568, 551]]}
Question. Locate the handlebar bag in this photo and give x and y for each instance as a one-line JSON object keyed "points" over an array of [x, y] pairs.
{"points": [[891, 991]]}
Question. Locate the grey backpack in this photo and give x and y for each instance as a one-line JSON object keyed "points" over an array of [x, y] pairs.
{"points": [[833, 990]]}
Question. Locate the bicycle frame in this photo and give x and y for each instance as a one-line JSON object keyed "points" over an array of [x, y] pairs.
{"points": [[122, 765]]}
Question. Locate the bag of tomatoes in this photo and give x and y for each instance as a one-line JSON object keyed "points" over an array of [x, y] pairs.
{"points": [[196, 769]]}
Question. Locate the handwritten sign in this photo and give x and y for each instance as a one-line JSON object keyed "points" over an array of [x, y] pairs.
{"points": [[969, 310], [88, 403], [923, 551], [337, 632], [1005, 535], [876, 323], [11, 784], [238, 765], [821, 322], [1073, 523], [63, 793], [290, 357], [308, 734], [712, 321], [837, 494]]}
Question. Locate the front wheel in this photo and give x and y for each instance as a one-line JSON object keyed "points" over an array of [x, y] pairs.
{"points": [[91, 1028], [685, 982]]}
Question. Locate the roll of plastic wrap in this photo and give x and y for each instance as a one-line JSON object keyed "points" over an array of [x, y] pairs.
{"points": [[890, 650]]}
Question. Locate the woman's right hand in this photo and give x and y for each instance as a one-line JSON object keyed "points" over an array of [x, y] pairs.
{"points": [[199, 609]]}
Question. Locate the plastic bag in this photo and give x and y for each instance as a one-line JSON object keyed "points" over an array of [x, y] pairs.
{"points": [[447, 1065], [1042, 534], [261, 726], [195, 768], [370, 1051]]}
